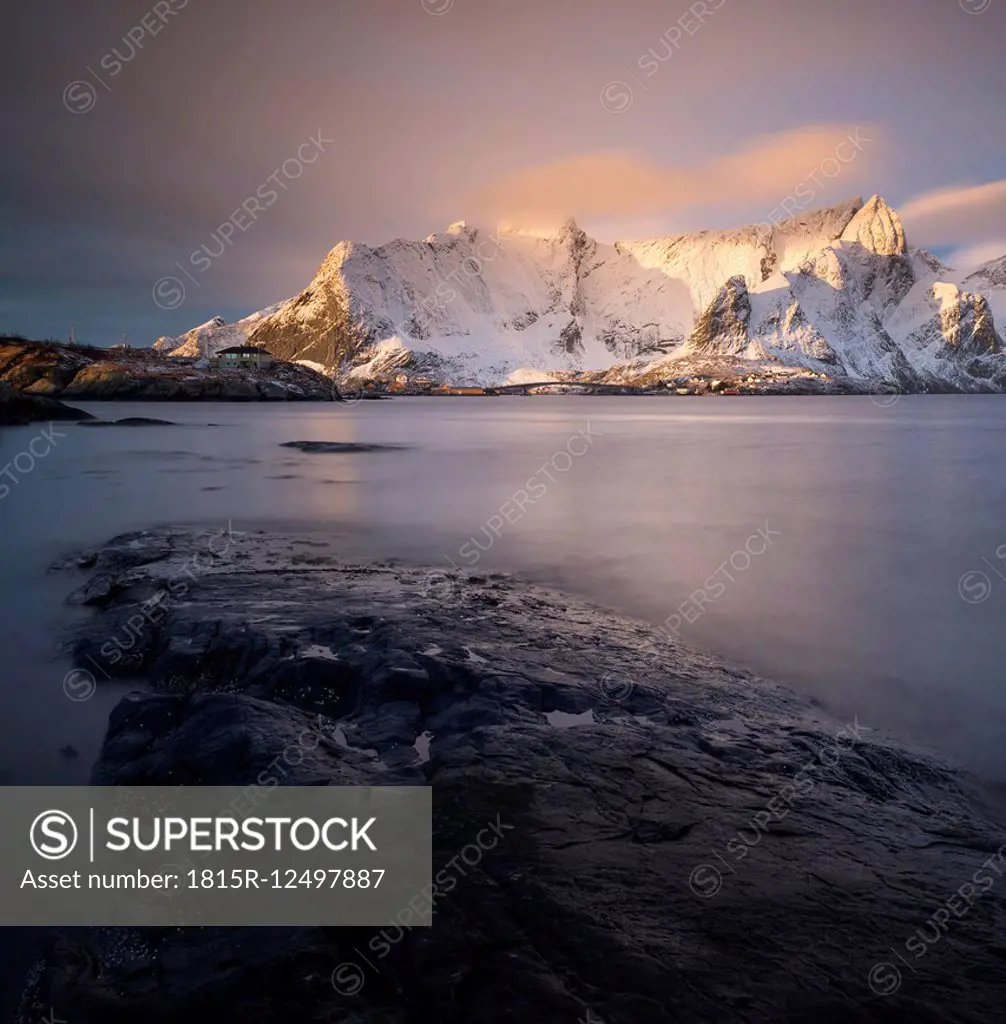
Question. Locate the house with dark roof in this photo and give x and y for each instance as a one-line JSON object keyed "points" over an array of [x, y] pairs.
{"points": [[242, 355]]}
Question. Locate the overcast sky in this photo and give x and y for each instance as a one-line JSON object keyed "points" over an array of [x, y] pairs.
{"points": [[133, 130]]}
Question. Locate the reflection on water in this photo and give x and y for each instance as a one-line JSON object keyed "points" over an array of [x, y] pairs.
{"points": [[869, 518]]}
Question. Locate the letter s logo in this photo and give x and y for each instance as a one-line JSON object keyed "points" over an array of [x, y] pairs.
{"points": [[59, 829]]}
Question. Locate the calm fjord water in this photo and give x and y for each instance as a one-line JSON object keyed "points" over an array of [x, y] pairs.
{"points": [[878, 590]]}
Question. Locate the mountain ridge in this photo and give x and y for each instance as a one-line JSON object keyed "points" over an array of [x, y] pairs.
{"points": [[835, 290]]}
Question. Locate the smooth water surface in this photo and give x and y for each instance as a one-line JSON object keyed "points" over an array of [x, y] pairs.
{"points": [[878, 520]]}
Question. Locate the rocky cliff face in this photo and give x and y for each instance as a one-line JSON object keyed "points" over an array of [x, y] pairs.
{"points": [[835, 291], [723, 328]]}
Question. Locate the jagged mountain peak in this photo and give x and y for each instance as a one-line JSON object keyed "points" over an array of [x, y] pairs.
{"points": [[339, 255], [878, 228], [211, 324], [568, 228]]}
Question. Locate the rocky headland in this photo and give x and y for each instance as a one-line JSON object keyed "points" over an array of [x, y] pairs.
{"points": [[679, 839], [93, 374]]}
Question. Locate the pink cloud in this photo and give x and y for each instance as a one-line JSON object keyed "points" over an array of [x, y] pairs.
{"points": [[963, 215], [804, 162]]}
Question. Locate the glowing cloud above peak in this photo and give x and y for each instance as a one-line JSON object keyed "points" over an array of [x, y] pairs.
{"points": [[624, 183]]}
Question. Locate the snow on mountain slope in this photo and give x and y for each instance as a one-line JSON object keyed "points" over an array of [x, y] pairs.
{"points": [[990, 280], [497, 301], [861, 307], [207, 339], [834, 290]]}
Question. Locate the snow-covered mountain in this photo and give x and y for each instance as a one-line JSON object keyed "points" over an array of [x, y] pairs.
{"points": [[836, 291]]}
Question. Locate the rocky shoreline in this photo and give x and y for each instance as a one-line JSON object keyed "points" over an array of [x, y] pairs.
{"points": [[679, 838]]}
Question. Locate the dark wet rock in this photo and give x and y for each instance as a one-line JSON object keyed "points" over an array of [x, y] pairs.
{"points": [[130, 421], [18, 408], [336, 447], [98, 591], [219, 735], [698, 844], [128, 551]]}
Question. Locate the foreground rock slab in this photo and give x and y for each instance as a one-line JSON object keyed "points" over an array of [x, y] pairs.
{"points": [[677, 839]]}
